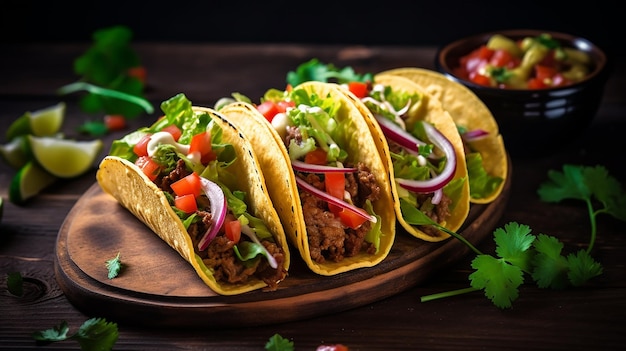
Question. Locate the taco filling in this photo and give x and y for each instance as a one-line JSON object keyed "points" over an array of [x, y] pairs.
{"points": [[336, 192], [424, 160], [185, 156]]}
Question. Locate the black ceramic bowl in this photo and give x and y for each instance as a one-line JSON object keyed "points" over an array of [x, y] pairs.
{"points": [[535, 121]]}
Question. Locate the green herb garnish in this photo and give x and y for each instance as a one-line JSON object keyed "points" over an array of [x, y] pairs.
{"points": [[114, 266], [106, 74], [94, 334], [314, 70], [518, 252], [278, 343]]}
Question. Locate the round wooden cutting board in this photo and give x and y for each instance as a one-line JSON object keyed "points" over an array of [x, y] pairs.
{"points": [[159, 288]]}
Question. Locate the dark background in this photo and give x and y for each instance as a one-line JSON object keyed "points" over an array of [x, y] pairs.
{"points": [[381, 22]]}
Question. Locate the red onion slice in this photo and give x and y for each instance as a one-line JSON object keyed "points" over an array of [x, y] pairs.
{"points": [[311, 168], [252, 235], [398, 134], [218, 210], [475, 134], [333, 200], [446, 175]]}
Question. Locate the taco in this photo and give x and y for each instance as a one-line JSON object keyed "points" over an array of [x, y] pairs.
{"points": [[194, 179], [324, 174], [486, 154], [419, 142]]}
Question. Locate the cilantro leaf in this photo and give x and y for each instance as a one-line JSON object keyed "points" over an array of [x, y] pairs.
{"points": [[499, 279], [57, 333], [607, 190], [513, 243], [582, 267], [95, 334], [314, 70], [550, 267], [569, 184], [278, 343], [114, 266]]}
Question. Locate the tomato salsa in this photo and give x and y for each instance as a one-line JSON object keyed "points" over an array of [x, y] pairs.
{"points": [[530, 63]]}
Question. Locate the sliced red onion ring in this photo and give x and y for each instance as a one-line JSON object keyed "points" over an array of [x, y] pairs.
{"points": [[446, 175], [250, 233], [311, 168], [333, 200], [218, 210], [399, 135], [475, 134]]}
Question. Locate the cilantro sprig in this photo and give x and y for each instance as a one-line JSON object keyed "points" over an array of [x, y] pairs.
{"points": [[96, 334], [314, 70], [519, 253], [107, 73]]}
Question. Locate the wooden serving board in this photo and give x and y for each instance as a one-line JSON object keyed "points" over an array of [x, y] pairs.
{"points": [[159, 288]]}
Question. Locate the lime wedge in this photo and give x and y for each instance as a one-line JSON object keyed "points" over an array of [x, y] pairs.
{"points": [[16, 152], [65, 158], [28, 182], [44, 122]]}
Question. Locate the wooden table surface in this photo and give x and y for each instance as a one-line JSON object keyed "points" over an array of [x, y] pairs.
{"points": [[584, 318]]}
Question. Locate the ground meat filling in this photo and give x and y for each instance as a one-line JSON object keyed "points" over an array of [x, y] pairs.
{"points": [[220, 256], [328, 238], [437, 213]]}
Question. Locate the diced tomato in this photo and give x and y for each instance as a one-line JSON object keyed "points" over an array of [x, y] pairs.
{"points": [[351, 219], [186, 203], [148, 166], [268, 109], [187, 185], [141, 148], [544, 72], [201, 143], [501, 58], [335, 184], [174, 130], [232, 228], [115, 122], [283, 105], [359, 89], [480, 79], [536, 83], [316, 157], [138, 72]]}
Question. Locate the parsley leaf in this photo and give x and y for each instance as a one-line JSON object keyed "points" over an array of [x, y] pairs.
{"points": [[278, 343], [114, 266], [94, 334]]}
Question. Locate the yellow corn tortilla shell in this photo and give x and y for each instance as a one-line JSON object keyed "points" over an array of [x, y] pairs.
{"points": [[466, 110], [432, 112], [137, 193], [276, 165]]}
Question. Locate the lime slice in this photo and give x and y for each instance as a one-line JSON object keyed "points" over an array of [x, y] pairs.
{"points": [[44, 122], [28, 182], [16, 153], [65, 158]]}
